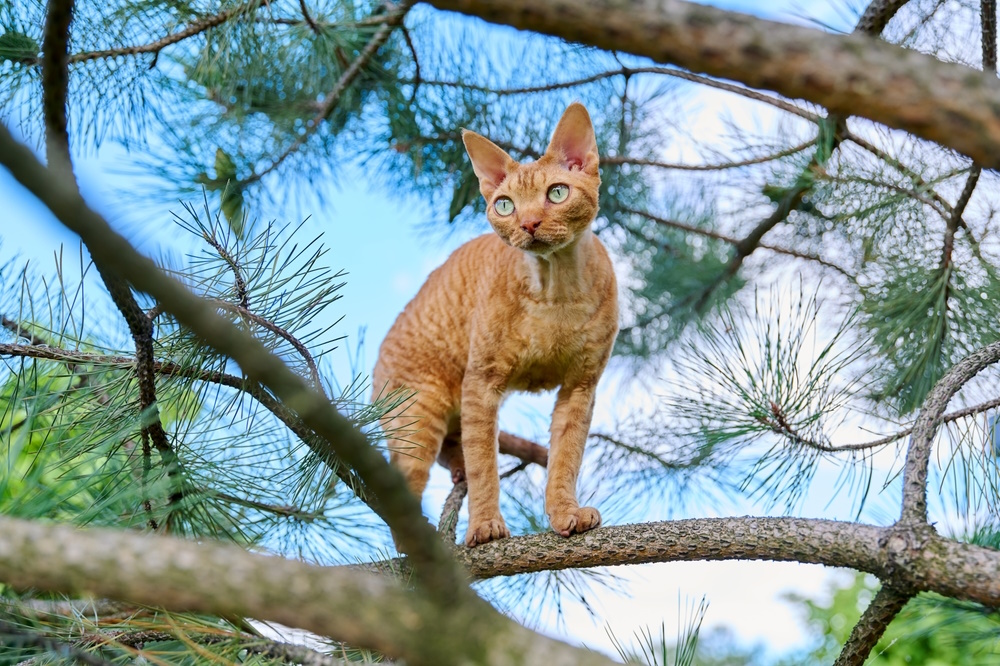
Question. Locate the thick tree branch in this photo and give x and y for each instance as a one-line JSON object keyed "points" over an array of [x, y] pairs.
{"points": [[913, 558], [220, 579], [866, 633], [950, 104]]}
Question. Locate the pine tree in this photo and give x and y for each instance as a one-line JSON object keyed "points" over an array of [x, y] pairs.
{"points": [[823, 260]]}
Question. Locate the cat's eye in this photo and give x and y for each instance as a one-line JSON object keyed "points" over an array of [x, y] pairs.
{"points": [[558, 193], [503, 206]]}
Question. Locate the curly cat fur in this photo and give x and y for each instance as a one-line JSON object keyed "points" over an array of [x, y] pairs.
{"points": [[528, 308]]}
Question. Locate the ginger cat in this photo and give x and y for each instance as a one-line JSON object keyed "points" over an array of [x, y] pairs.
{"points": [[532, 307]]}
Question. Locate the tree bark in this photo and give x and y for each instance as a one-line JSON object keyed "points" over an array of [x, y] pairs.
{"points": [[342, 603], [950, 104]]}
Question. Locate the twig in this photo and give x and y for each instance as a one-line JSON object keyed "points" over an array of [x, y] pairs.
{"points": [[882, 441], [630, 71], [308, 18], [193, 28], [707, 233], [954, 221], [888, 601], [448, 523], [277, 330], [55, 81], [242, 298], [20, 331], [709, 167], [919, 183], [416, 61]]}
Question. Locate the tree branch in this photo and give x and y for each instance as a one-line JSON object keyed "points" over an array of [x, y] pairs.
{"points": [[926, 426], [707, 233], [947, 103], [524, 449], [390, 21], [193, 28], [866, 633], [434, 568], [55, 75], [221, 579]]}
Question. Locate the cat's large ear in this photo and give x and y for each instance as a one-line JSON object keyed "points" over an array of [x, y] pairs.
{"points": [[489, 161], [573, 143]]}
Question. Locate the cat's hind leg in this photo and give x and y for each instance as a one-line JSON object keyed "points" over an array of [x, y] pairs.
{"points": [[414, 433]]}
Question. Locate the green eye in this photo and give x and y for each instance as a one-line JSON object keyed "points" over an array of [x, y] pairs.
{"points": [[558, 193], [503, 206]]}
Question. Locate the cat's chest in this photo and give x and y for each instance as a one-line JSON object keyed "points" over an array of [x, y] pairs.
{"points": [[548, 339]]}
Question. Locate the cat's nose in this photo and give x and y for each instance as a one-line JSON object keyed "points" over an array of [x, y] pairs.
{"points": [[531, 226]]}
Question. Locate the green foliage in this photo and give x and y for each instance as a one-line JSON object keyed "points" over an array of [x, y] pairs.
{"points": [[18, 48], [763, 385], [930, 629], [923, 321]]}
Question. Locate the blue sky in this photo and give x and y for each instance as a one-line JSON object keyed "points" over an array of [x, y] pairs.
{"points": [[377, 239]]}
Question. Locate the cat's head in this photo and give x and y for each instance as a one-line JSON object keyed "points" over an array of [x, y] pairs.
{"points": [[541, 206]]}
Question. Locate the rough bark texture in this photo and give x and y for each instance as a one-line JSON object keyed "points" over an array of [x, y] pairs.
{"points": [[349, 605], [926, 426], [866, 633], [854, 74]]}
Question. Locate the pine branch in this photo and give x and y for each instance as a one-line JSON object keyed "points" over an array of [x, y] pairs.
{"points": [[942, 102], [194, 28], [12, 635], [434, 569], [866, 633], [524, 449], [776, 102], [926, 426], [707, 233], [912, 557], [390, 20], [224, 580], [55, 74]]}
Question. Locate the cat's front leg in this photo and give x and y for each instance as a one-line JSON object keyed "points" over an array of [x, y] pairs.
{"points": [[481, 397], [570, 425]]}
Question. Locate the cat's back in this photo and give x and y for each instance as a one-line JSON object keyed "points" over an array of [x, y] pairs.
{"points": [[429, 340]]}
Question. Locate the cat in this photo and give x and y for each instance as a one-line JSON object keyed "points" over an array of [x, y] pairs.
{"points": [[531, 307]]}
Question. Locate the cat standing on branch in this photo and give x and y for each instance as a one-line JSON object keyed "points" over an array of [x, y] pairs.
{"points": [[529, 308]]}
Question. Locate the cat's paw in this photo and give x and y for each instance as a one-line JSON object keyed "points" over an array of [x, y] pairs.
{"points": [[485, 531], [575, 521]]}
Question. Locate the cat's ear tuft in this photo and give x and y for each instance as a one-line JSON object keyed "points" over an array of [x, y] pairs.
{"points": [[573, 143], [491, 164]]}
